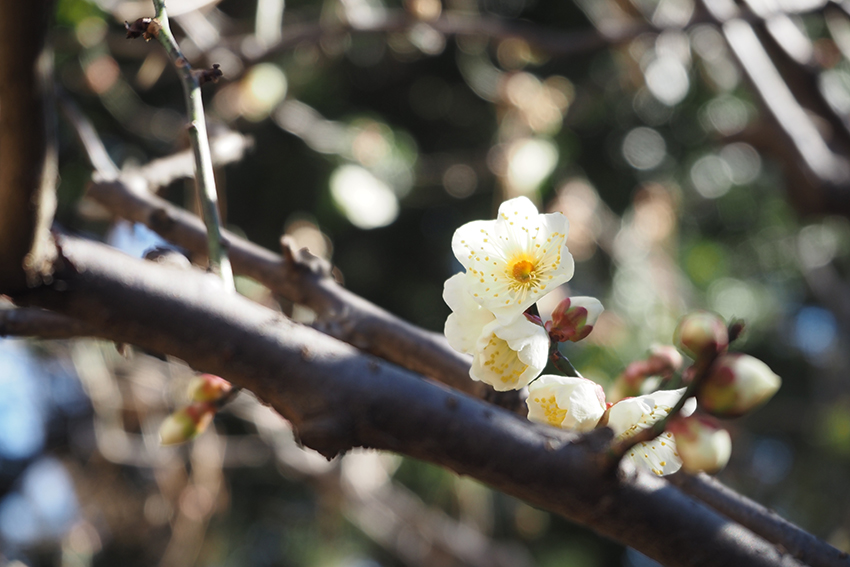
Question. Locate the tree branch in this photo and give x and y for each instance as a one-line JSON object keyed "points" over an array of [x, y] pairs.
{"points": [[301, 279], [204, 178], [764, 522], [28, 161], [33, 322], [337, 398]]}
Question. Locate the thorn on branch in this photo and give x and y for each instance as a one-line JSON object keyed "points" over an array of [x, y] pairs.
{"points": [[147, 28], [303, 260], [209, 75]]}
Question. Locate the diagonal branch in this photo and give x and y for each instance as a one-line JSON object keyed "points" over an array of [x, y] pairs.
{"points": [[766, 523], [337, 398], [296, 277], [204, 177]]}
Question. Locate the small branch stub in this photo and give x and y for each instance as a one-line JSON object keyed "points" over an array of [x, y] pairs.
{"points": [[209, 75], [147, 28]]}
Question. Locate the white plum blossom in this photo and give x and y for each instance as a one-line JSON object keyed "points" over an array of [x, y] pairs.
{"points": [[513, 261], [567, 402], [507, 356], [631, 415]]}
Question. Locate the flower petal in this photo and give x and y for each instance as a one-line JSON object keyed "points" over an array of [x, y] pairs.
{"points": [[508, 357], [567, 402], [658, 456], [631, 415], [464, 325]]}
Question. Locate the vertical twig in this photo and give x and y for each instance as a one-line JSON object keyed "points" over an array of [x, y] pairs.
{"points": [[204, 179]]}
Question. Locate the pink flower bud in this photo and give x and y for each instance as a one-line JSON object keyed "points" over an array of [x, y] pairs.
{"points": [[663, 361], [186, 423], [701, 334], [208, 388], [737, 384], [701, 443], [574, 318]]}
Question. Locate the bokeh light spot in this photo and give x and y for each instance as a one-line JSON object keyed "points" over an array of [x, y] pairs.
{"points": [[644, 148], [815, 330], [365, 200]]}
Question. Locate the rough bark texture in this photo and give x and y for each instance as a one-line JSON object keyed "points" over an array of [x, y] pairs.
{"points": [[27, 152], [338, 398]]}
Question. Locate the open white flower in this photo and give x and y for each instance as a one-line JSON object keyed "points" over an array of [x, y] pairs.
{"points": [[508, 356], [631, 415], [514, 260], [566, 402]]}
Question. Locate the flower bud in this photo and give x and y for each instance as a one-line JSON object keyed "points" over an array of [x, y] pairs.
{"points": [[574, 318], [701, 334], [186, 423], [662, 362], [737, 384], [208, 388], [702, 444]]}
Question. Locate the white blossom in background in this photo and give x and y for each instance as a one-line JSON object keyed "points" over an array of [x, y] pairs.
{"points": [[507, 356], [567, 402], [514, 260], [632, 415]]}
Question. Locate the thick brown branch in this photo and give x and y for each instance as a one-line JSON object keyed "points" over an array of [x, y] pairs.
{"points": [[341, 313], [28, 165], [338, 398], [766, 523]]}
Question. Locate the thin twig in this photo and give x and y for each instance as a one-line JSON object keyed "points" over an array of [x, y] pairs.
{"points": [[563, 363], [204, 178]]}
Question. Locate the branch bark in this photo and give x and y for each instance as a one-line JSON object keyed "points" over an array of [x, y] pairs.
{"points": [[29, 322], [338, 398], [28, 162], [764, 522], [300, 279]]}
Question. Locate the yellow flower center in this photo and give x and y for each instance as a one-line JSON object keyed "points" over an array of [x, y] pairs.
{"points": [[503, 362], [554, 415], [522, 270], [524, 274]]}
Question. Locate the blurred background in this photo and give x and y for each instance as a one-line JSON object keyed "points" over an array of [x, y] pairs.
{"points": [[698, 150]]}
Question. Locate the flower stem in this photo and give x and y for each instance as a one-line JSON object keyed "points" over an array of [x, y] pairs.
{"points": [[562, 363], [204, 178]]}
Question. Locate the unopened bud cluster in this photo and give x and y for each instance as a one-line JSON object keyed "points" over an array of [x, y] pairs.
{"points": [[732, 385]]}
